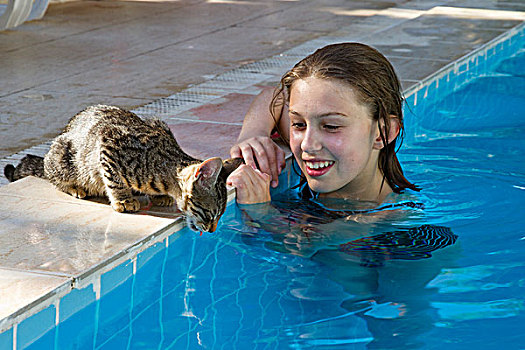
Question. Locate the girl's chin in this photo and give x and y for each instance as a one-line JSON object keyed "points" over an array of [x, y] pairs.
{"points": [[318, 186]]}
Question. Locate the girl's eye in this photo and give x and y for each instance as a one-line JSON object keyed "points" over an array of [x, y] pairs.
{"points": [[298, 125], [331, 127]]}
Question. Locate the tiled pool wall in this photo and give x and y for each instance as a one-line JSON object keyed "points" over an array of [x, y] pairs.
{"points": [[457, 74], [75, 297], [120, 280], [80, 303]]}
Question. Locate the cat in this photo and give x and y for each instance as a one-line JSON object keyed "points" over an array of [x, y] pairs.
{"points": [[109, 151]]}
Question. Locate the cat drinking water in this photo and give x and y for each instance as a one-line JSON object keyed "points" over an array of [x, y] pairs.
{"points": [[108, 151]]}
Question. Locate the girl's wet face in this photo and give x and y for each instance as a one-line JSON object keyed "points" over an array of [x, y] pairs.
{"points": [[333, 137]]}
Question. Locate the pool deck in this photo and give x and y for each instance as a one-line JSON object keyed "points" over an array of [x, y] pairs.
{"points": [[197, 65]]}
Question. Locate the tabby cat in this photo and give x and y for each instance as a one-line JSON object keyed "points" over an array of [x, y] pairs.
{"points": [[109, 151]]}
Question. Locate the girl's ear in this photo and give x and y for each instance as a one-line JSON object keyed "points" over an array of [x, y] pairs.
{"points": [[393, 131]]}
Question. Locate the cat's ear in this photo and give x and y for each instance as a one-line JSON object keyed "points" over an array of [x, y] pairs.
{"points": [[208, 171], [229, 165]]}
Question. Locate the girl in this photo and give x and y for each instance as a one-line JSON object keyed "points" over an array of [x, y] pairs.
{"points": [[340, 110]]}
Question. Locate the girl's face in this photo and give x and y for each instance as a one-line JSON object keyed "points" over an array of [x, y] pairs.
{"points": [[334, 139]]}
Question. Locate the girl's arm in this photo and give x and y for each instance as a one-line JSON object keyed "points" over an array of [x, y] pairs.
{"points": [[254, 144]]}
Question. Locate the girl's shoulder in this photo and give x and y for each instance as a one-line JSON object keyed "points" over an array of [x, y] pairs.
{"points": [[407, 199]]}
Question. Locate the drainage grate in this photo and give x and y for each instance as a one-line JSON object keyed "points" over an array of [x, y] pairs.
{"points": [[276, 65], [165, 106], [182, 101]]}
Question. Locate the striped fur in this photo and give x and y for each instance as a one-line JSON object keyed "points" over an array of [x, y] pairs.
{"points": [[109, 151]]}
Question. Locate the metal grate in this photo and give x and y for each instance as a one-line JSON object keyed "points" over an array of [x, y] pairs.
{"points": [[276, 65]]}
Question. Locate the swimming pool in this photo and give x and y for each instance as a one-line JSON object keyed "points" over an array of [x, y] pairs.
{"points": [[239, 289]]}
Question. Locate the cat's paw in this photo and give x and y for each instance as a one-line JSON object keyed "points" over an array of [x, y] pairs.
{"points": [[163, 201], [127, 205], [76, 192]]}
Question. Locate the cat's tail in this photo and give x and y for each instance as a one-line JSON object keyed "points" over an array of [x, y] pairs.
{"points": [[30, 165]]}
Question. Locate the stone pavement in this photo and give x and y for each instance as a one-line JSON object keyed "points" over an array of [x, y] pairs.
{"points": [[195, 64], [131, 53]]}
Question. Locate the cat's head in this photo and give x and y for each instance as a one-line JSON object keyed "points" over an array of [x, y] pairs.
{"points": [[204, 196]]}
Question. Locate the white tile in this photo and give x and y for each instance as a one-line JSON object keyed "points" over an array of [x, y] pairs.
{"points": [[19, 288], [42, 229]]}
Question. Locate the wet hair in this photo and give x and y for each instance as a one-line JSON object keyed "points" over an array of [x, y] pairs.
{"points": [[372, 75]]}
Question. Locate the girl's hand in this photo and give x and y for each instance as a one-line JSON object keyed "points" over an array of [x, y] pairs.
{"points": [[253, 186], [261, 151]]}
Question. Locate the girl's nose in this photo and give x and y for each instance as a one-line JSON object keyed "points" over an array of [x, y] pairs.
{"points": [[311, 142]]}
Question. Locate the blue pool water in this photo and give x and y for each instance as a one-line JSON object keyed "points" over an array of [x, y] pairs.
{"points": [[302, 288]]}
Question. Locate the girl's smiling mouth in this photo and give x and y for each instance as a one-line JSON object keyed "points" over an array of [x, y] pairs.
{"points": [[318, 167]]}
